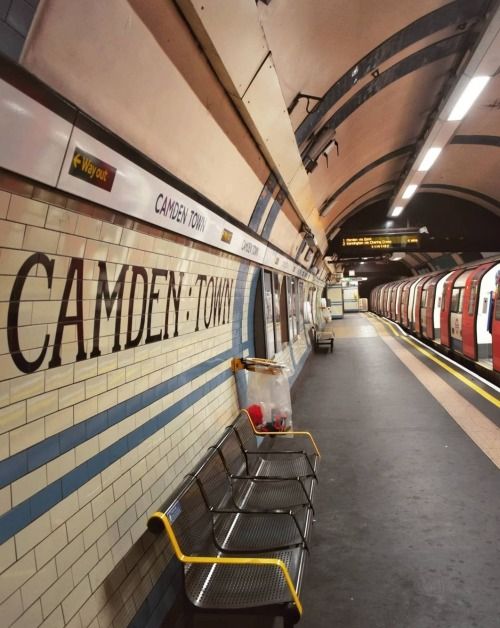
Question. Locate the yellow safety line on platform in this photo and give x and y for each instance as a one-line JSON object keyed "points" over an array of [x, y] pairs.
{"points": [[486, 395]]}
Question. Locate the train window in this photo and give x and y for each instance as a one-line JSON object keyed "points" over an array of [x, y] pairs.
{"points": [[292, 307], [276, 308], [300, 305], [497, 307], [457, 297], [423, 301], [269, 314], [473, 296], [285, 336]]}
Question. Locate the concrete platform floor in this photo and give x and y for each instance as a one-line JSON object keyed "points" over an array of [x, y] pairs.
{"points": [[408, 507]]}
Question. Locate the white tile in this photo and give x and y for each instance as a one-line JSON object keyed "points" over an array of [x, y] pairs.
{"points": [[85, 409], [61, 219], [107, 400], [60, 466], [28, 485], [32, 617], [96, 250], [26, 436], [11, 234], [71, 395], [71, 245], [69, 554], [27, 210], [52, 545], [4, 203], [78, 596], [79, 522], [26, 386], [59, 377], [12, 416], [54, 620], [84, 564], [11, 609], [84, 370], [94, 531], [106, 542], [39, 583], [90, 489], [7, 554], [56, 593], [102, 501], [14, 577], [109, 232], [32, 534], [101, 571], [40, 240], [42, 405], [95, 386], [58, 421], [88, 227]]}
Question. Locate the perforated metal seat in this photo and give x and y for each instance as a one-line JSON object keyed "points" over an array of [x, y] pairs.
{"points": [[237, 528], [230, 586], [256, 492], [283, 455]]}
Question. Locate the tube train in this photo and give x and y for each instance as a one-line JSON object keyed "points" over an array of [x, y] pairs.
{"points": [[458, 311]]}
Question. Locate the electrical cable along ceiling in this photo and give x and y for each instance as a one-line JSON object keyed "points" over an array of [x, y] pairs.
{"points": [[369, 86]]}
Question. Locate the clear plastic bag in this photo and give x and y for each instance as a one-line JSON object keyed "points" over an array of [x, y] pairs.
{"points": [[269, 391]]}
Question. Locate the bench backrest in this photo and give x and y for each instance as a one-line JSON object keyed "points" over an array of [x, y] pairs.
{"points": [[189, 517], [231, 451], [213, 480], [245, 431]]}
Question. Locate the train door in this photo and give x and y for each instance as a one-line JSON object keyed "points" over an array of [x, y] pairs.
{"points": [[399, 294], [428, 313], [446, 307], [438, 301], [457, 310], [392, 311], [479, 286], [413, 302], [405, 298], [420, 300], [495, 325]]}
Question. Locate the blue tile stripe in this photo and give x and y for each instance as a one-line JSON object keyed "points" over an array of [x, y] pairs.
{"points": [[262, 202], [28, 460], [27, 511]]}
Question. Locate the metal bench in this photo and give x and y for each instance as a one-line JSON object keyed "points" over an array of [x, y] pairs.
{"points": [[322, 338], [243, 536]]}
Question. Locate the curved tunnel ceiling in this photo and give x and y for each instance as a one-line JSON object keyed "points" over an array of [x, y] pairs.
{"points": [[367, 80]]}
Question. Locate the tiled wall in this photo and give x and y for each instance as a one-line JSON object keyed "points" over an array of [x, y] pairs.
{"points": [[89, 447], [15, 20]]}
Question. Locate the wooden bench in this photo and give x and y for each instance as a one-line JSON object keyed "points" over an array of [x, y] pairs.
{"points": [[241, 521], [322, 338]]}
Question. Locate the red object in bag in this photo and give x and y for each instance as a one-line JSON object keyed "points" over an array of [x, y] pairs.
{"points": [[256, 416]]}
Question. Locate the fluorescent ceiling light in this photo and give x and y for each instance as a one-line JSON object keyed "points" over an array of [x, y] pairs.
{"points": [[430, 157], [469, 95], [410, 190], [396, 211]]}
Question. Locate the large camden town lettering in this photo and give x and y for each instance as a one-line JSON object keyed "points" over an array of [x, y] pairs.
{"points": [[133, 309]]}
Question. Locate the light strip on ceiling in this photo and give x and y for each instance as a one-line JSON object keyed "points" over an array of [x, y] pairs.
{"points": [[430, 157], [397, 211], [410, 190], [474, 87]]}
